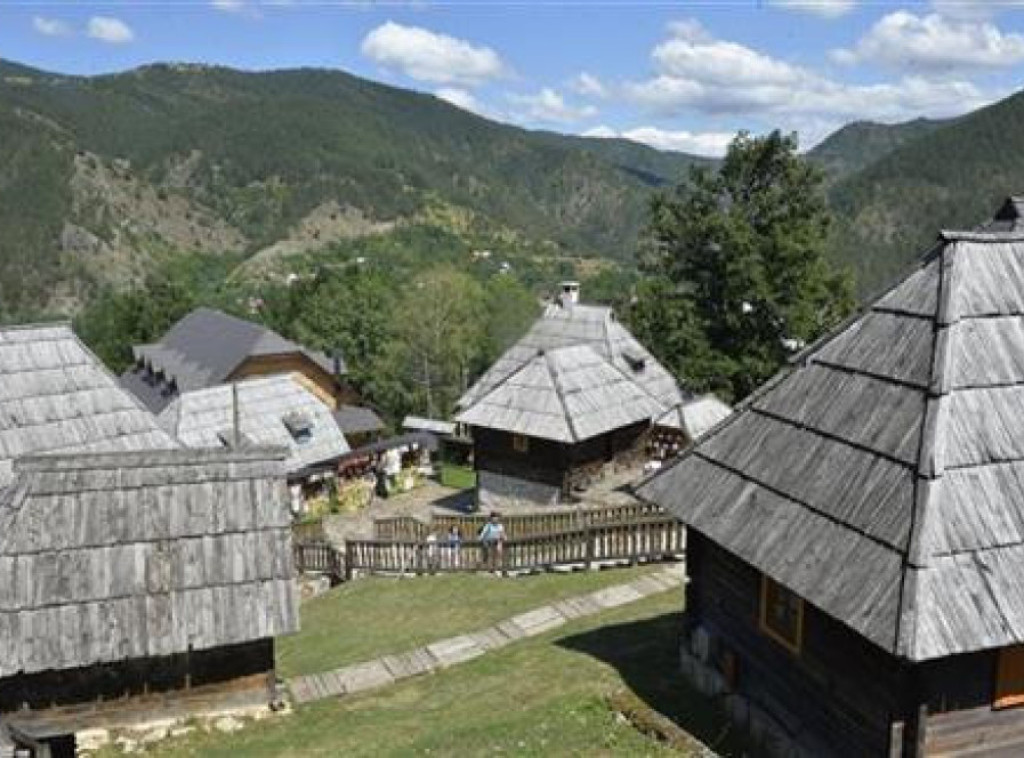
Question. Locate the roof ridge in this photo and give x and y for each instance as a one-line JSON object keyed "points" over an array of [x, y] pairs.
{"points": [[560, 392], [930, 450]]}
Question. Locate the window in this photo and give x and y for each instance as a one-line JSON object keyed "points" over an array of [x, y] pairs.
{"points": [[782, 615], [1010, 677], [520, 443]]}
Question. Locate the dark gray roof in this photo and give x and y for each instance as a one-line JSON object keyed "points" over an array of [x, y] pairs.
{"points": [[202, 350], [568, 395], [882, 477], [568, 325], [353, 419], [1009, 218], [56, 396], [109, 557]]}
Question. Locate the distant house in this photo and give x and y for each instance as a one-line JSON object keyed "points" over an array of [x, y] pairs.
{"points": [[575, 393], [140, 586], [207, 348], [270, 411], [856, 529], [412, 424], [684, 424], [56, 396]]}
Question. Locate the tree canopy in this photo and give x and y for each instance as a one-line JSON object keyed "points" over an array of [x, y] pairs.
{"points": [[735, 266]]}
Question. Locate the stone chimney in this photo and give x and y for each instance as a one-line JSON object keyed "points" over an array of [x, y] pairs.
{"points": [[569, 293]]}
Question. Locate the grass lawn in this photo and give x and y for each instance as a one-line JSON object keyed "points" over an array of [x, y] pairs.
{"points": [[539, 697], [382, 615], [457, 477]]}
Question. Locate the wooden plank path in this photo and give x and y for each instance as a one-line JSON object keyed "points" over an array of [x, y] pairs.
{"points": [[388, 669]]}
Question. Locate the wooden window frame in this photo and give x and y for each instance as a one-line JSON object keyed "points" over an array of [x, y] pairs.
{"points": [[520, 443], [793, 646], [1001, 698]]}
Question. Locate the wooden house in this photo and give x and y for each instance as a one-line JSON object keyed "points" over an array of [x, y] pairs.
{"points": [[681, 426], [56, 396], [207, 348], [551, 426], [269, 411], [575, 393], [360, 425], [856, 528], [140, 586]]}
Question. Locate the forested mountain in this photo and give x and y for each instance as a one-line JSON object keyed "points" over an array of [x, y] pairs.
{"points": [[98, 174], [954, 176], [101, 175]]}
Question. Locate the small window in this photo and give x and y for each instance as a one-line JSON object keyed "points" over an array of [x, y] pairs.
{"points": [[1010, 677], [520, 443], [782, 615]]}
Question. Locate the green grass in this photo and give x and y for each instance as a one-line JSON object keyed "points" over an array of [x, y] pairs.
{"points": [[540, 697], [383, 615], [457, 477]]}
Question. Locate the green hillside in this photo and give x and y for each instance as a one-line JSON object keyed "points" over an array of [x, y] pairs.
{"points": [[98, 173], [953, 177], [857, 145]]}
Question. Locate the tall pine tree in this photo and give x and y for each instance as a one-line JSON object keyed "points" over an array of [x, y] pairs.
{"points": [[736, 271]]}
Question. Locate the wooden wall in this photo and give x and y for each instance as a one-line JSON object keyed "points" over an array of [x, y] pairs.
{"points": [[840, 687], [122, 692], [321, 383]]}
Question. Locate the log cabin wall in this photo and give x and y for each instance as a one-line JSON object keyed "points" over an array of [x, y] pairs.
{"points": [[544, 461], [331, 390], [839, 691], [251, 664]]}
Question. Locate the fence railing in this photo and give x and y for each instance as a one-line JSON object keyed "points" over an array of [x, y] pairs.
{"points": [[319, 558], [410, 529], [643, 539]]}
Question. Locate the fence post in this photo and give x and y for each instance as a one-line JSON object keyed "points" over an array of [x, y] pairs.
{"points": [[589, 536], [348, 561]]}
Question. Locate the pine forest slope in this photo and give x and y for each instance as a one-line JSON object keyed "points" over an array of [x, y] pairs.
{"points": [[223, 159]]}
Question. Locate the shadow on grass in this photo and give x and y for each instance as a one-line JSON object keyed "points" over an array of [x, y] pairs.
{"points": [[645, 654]]}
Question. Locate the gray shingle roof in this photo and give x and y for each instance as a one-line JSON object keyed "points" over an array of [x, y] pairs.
{"points": [[696, 417], [56, 396], [882, 477], [202, 350], [353, 419], [567, 394], [110, 557], [573, 324], [266, 407]]}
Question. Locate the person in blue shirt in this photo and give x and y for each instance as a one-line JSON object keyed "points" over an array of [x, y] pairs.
{"points": [[492, 541]]}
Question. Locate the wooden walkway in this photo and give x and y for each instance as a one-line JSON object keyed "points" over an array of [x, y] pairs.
{"points": [[442, 654]]}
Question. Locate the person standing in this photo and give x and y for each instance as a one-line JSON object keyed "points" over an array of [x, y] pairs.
{"points": [[492, 541]]}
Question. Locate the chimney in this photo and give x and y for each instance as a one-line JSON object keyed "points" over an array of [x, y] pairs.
{"points": [[570, 293]]}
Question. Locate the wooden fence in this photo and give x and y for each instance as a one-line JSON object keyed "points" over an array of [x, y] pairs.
{"points": [[410, 529], [643, 539], [319, 558]]}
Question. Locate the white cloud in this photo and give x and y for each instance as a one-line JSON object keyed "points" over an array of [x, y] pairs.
{"points": [[52, 27], [229, 6], [904, 40], [588, 85], [695, 72], [699, 143], [548, 106], [430, 57], [108, 29], [823, 8]]}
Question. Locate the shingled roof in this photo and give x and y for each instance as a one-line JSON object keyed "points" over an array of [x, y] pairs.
{"points": [[203, 350], [569, 324], [695, 417], [882, 478], [271, 411], [567, 394], [56, 396], [110, 557]]}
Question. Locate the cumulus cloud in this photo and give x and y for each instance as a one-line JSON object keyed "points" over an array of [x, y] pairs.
{"points": [[694, 71], [823, 8], [430, 57], [52, 27], [903, 40], [548, 106], [712, 144], [466, 100], [109, 29], [589, 85]]}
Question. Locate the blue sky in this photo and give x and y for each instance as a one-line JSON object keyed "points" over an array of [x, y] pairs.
{"points": [[677, 75]]}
